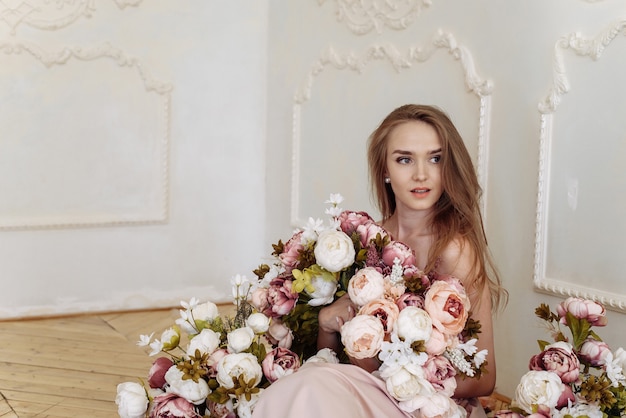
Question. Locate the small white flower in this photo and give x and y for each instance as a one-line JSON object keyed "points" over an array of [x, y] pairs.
{"points": [[311, 230], [156, 346], [241, 286], [189, 305], [397, 271], [614, 370], [469, 347], [334, 212], [335, 199], [480, 358], [144, 340]]}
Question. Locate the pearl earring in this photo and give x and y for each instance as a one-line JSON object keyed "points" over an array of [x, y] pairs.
{"points": [[387, 180]]}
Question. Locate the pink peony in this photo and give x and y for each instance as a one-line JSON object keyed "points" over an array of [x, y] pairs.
{"points": [[362, 336], [279, 334], [558, 358], [410, 299], [587, 309], [448, 306], [366, 285], [291, 252], [437, 343], [221, 410], [156, 375], [440, 373], [170, 405], [280, 362], [385, 310], [368, 232], [595, 352], [281, 299], [258, 299], [214, 359], [400, 251], [349, 221]]}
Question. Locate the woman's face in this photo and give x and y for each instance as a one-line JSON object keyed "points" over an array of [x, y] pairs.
{"points": [[413, 165]]}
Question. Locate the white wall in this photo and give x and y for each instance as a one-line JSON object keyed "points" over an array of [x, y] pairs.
{"points": [[125, 189]]}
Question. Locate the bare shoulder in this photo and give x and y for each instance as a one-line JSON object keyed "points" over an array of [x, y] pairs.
{"points": [[458, 259]]}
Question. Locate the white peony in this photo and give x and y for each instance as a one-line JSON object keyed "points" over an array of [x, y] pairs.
{"points": [[207, 342], [258, 322], [414, 324], [324, 292], [325, 355], [240, 339], [362, 336], [232, 366], [194, 392], [334, 250], [538, 387], [407, 382], [131, 400]]}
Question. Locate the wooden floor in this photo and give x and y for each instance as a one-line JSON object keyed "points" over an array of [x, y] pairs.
{"points": [[70, 367]]}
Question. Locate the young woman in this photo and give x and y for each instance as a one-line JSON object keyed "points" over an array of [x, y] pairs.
{"points": [[428, 194]]}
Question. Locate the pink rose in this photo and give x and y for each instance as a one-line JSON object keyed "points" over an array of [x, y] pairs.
{"points": [[258, 299], [170, 405], [448, 307], [280, 362], [595, 352], [278, 334], [221, 410], [369, 232], [410, 299], [385, 310], [156, 375], [291, 252], [590, 310], [349, 221], [362, 336], [400, 251], [437, 343], [440, 373], [281, 299], [558, 358]]}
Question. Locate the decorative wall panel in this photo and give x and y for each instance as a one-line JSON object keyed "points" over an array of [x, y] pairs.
{"points": [[581, 187], [342, 106]]}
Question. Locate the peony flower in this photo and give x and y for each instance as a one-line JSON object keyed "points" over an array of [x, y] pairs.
{"points": [[410, 299], [369, 231], [541, 388], [334, 250], [170, 338], [194, 392], [385, 310], [196, 316], [279, 334], [240, 339], [448, 306], [401, 251], [280, 297], [206, 342], [233, 366], [406, 382], [214, 359], [586, 309], [258, 322], [325, 355], [437, 343], [366, 285], [280, 362], [558, 358], [434, 405], [131, 400], [319, 284], [362, 336], [578, 410], [245, 407], [258, 299], [221, 410], [170, 405], [291, 252], [156, 374], [414, 324], [349, 221], [595, 352], [440, 373]]}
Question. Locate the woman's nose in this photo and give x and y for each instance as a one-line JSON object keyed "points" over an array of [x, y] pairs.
{"points": [[420, 172]]}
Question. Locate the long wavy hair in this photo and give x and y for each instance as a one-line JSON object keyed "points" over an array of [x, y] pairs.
{"points": [[457, 212]]}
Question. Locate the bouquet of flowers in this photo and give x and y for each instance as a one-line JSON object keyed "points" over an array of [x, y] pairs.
{"points": [[416, 324], [572, 377]]}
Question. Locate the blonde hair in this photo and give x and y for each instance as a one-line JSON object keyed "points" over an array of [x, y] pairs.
{"points": [[457, 212]]}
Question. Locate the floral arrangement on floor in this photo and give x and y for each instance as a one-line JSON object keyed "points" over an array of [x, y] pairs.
{"points": [[572, 377], [418, 325]]}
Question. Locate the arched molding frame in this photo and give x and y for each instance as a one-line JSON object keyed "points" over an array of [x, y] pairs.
{"points": [[585, 48], [332, 59], [50, 15], [157, 90], [362, 17]]}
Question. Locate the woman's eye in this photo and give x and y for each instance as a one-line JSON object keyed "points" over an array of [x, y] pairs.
{"points": [[403, 160], [435, 159]]}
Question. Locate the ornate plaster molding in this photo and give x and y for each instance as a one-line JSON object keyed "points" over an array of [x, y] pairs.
{"points": [[363, 16], [400, 61], [583, 47], [151, 84], [50, 14]]}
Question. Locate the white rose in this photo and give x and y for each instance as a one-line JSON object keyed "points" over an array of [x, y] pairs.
{"points": [[232, 366], [325, 355], [258, 322], [170, 338], [538, 387], [240, 339], [131, 400], [207, 342], [205, 312], [334, 250], [324, 292], [367, 285], [194, 392], [435, 405], [407, 382], [362, 336], [414, 324]]}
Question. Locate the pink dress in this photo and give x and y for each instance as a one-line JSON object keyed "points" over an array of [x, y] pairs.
{"points": [[324, 390]]}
